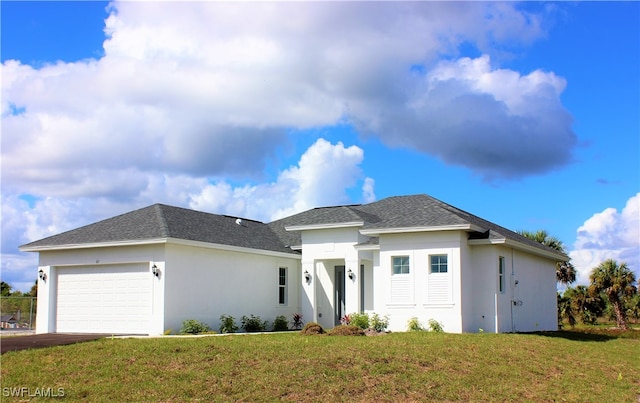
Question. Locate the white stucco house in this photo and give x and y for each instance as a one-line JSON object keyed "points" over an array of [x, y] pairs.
{"points": [[146, 271]]}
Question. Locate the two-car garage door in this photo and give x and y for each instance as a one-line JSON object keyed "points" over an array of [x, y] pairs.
{"points": [[113, 299]]}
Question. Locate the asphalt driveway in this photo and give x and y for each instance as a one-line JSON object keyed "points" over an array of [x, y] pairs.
{"points": [[44, 340]]}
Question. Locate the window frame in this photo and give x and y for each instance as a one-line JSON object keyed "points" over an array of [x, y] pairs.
{"points": [[401, 266], [283, 280], [439, 264]]}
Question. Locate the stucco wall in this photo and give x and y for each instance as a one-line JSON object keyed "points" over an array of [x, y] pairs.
{"points": [[528, 302], [419, 246], [204, 283]]}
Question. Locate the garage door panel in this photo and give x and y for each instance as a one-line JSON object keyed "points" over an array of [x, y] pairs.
{"points": [[104, 299]]}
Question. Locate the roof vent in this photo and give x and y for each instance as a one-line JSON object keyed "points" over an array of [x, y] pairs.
{"points": [[239, 221]]}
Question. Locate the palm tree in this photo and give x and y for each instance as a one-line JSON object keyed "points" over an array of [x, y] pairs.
{"points": [[586, 306], [616, 281], [565, 272]]}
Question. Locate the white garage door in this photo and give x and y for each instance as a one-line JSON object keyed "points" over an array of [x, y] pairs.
{"points": [[104, 299]]}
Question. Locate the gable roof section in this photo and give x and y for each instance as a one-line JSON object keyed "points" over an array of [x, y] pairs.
{"points": [[160, 221]]}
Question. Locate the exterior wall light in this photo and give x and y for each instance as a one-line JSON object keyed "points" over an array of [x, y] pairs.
{"points": [[155, 270], [350, 274], [307, 276], [42, 275]]}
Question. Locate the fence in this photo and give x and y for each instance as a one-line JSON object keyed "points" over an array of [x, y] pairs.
{"points": [[18, 312]]}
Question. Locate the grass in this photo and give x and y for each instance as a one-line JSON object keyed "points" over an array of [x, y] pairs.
{"points": [[555, 366]]}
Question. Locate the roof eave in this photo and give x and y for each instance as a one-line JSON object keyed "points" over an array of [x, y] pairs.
{"points": [[435, 228], [232, 248], [155, 241], [350, 224], [136, 242], [540, 251], [367, 247]]}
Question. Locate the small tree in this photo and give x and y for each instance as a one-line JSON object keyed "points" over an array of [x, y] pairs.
{"points": [[617, 282]]}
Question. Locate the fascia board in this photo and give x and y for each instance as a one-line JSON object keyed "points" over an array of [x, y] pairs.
{"points": [[45, 248], [232, 248], [367, 247], [521, 246], [156, 241], [324, 226], [402, 230]]}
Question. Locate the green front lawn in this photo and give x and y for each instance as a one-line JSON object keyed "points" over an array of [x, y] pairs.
{"points": [[557, 366]]}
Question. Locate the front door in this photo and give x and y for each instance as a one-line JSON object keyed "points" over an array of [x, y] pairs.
{"points": [[338, 299]]}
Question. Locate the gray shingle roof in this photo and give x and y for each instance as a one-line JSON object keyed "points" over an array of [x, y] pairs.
{"points": [[162, 221], [399, 212]]}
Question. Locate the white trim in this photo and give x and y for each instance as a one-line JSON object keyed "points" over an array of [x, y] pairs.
{"points": [[94, 245], [232, 248], [400, 305], [156, 241], [370, 246], [521, 246], [324, 226], [399, 230], [438, 305]]}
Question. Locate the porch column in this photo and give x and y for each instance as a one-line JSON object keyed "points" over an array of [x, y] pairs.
{"points": [[308, 294], [352, 285]]}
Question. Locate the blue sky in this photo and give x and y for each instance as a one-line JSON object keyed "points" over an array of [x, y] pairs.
{"points": [[526, 114]]}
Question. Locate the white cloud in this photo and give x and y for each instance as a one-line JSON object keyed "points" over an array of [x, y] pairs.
{"points": [[322, 176], [497, 122], [368, 193], [609, 235], [211, 89]]}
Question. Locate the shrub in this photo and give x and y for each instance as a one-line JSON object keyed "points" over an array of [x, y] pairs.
{"points": [[168, 332], [297, 320], [435, 326], [360, 320], [253, 324], [414, 325], [379, 324], [192, 326], [312, 328], [228, 324], [346, 330], [280, 324]]}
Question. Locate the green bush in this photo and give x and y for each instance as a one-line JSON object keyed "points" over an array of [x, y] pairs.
{"points": [[435, 326], [379, 324], [360, 320], [253, 324], [346, 330], [280, 324], [312, 328], [192, 326], [414, 325], [228, 324]]}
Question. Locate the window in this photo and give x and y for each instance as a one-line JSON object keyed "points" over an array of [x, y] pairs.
{"points": [[439, 264], [401, 265], [501, 267], [282, 286], [439, 280]]}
